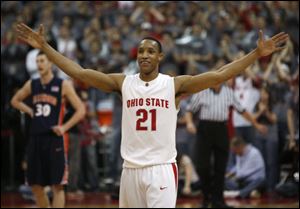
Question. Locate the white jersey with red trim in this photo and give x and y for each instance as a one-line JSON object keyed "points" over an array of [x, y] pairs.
{"points": [[149, 121]]}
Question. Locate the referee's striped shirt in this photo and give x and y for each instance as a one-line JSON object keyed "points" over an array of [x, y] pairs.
{"points": [[214, 106]]}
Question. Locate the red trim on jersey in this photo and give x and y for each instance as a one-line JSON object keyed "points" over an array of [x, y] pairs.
{"points": [[175, 174], [60, 122], [66, 142], [61, 113], [65, 177]]}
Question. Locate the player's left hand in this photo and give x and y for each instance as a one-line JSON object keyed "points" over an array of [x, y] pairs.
{"points": [[267, 47], [59, 130], [34, 38]]}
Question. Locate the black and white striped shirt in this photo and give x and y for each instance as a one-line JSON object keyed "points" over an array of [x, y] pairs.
{"points": [[214, 106]]}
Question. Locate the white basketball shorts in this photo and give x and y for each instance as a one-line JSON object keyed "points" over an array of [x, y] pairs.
{"points": [[149, 187]]}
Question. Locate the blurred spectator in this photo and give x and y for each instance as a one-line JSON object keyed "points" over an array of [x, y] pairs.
{"points": [[13, 53], [66, 45], [114, 139], [267, 143], [289, 182], [74, 155], [293, 113], [90, 133], [185, 140], [248, 174], [189, 182], [248, 96]]}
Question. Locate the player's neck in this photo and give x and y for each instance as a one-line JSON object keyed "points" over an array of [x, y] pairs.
{"points": [[46, 78], [149, 77]]}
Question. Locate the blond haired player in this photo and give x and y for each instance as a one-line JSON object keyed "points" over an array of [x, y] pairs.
{"points": [[46, 156]]}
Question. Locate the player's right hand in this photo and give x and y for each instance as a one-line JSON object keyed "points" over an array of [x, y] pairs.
{"points": [[33, 38], [58, 130]]}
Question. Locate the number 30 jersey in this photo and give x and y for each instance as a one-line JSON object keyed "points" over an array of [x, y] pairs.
{"points": [[47, 105], [148, 122]]}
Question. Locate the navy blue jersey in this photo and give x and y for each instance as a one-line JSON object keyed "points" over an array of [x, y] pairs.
{"points": [[47, 105]]}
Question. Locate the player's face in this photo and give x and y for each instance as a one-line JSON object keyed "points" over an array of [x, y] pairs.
{"points": [[148, 56], [43, 64]]}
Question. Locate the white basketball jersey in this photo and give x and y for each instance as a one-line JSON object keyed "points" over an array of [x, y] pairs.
{"points": [[148, 122]]}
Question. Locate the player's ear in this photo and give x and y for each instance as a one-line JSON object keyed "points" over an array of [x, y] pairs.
{"points": [[161, 56], [49, 61]]}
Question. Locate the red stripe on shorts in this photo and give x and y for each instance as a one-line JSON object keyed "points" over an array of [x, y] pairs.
{"points": [[175, 173]]}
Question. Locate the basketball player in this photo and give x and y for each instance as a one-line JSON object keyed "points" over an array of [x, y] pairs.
{"points": [[46, 158], [150, 106]]}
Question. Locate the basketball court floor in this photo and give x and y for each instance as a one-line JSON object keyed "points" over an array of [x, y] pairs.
{"points": [[106, 200]]}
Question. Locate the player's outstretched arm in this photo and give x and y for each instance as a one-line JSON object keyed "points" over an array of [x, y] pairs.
{"points": [[192, 84], [105, 82]]}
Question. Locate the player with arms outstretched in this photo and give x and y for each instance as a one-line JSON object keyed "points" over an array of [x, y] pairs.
{"points": [[150, 106]]}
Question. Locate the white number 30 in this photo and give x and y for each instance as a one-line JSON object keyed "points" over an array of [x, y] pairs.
{"points": [[42, 110]]}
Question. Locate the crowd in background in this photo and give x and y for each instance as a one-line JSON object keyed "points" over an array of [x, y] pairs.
{"points": [[196, 37]]}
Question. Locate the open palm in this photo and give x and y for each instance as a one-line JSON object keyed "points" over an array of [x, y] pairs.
{"points": [[35, 39], [267, 47]]}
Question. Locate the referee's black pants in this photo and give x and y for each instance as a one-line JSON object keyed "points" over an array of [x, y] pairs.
{"points": [[212, 155]]}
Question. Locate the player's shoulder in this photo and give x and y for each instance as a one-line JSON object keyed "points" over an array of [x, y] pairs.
{"points": [[136, 75], [129, 78], [180, 80], [66, 85], [166, 76], [27, 85], [69, 84], [60, 80]]}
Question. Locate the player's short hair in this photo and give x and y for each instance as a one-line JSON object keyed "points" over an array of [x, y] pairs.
{"points": [[154, 39], [41, 53]]}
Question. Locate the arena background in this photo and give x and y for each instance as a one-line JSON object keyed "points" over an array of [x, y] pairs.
{"points": [[101, 35]]}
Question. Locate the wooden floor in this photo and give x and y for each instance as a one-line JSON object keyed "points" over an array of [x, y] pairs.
{"points": [[106, 200]]}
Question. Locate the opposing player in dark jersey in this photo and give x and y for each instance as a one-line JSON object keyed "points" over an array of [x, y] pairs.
{"points": [[46, 157]]}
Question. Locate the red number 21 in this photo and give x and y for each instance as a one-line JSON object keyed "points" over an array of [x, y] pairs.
{"points": [[144, 116]]}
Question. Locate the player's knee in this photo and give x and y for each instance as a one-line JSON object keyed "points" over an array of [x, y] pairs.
{"points": [[57, 188], [37, 190]]}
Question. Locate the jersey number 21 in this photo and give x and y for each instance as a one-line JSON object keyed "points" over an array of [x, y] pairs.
{"points": [[144, 116]]}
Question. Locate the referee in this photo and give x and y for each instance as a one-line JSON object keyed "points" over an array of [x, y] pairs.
{"points": [[212, 146]]}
